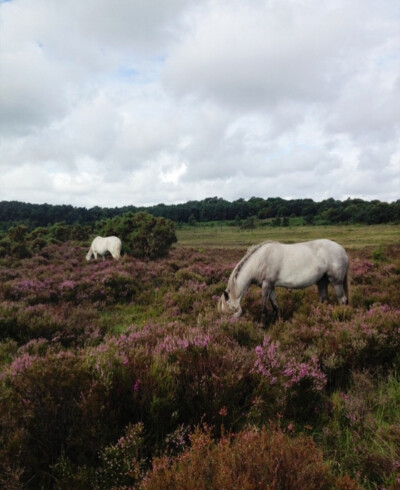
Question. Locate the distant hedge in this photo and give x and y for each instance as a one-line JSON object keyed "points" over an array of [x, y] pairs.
{"points": [[329, 211]]}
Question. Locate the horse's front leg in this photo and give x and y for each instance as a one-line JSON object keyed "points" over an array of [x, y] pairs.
{"points": [[275, 305], [268, 294]]}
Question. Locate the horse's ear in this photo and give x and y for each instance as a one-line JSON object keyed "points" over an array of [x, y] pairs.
{"points": [[226, 295]]}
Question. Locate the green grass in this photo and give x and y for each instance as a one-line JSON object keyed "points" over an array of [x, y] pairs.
{"points": [[362, 431], [121, 317], [351, 236]]}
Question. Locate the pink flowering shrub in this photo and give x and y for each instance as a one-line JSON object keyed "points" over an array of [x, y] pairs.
{"points": [[66, 324], [375, 281], [296, 381], [345, 338], [362, 271], [104, 365]]}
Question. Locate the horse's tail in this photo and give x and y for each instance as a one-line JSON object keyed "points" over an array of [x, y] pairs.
{"points": [[346, 285]]}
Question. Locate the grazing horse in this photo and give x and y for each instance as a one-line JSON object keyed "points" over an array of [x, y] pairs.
{"points": [[292, 266], [102, 245]]}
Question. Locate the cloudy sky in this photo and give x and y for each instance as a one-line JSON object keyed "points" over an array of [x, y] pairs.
{"points": [[117, 102]]}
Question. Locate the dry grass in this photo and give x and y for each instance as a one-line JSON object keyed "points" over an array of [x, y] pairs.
{"points": [[353, 237]]}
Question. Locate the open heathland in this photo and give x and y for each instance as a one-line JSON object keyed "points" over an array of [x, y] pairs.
{"points": [[122, 374]]}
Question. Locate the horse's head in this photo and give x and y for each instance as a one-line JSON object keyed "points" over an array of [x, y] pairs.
{"points": [[227, 304]]}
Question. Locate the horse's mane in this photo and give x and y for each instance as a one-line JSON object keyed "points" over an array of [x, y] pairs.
{"points": [[239, 266]]}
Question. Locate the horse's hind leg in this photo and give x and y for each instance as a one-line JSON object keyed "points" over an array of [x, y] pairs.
{"points": [[340, 293], [323, 289], [338, 286]]}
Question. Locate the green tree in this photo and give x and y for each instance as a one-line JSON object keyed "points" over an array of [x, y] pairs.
{"points": [[16, 244], [192, 220], [277, 222], [249, 223], [379, 212], [79, 232], [18, 233], [143, 235]]}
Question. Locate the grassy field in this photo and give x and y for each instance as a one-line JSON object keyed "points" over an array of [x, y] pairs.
{"points": [[353, 236]]}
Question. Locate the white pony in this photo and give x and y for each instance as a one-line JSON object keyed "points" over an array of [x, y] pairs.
{"points": [[296, 266], [102, 245]]}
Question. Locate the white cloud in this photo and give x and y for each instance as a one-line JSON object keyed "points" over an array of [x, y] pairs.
{"points": [[113, 103], [264, 54]]}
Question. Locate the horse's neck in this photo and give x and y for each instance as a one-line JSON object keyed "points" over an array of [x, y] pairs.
{"points": [[240, 284]]}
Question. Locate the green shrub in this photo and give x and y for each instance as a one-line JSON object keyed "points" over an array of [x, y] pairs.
{"points": [[40, 414], [362, 431], [143, 235], [120, 464]]}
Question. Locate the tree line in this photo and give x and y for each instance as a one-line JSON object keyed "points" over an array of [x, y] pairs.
{"points": [[278, 210]]}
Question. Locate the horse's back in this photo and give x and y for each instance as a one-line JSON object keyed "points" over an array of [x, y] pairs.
{"points": [[330, 249], [110, 244], [334, 256], [113, 240], [101, 240], [326, 244], [302, 264], [114, 246]]}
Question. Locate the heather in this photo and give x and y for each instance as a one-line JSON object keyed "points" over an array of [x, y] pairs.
{"points": [[121, 374]]}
